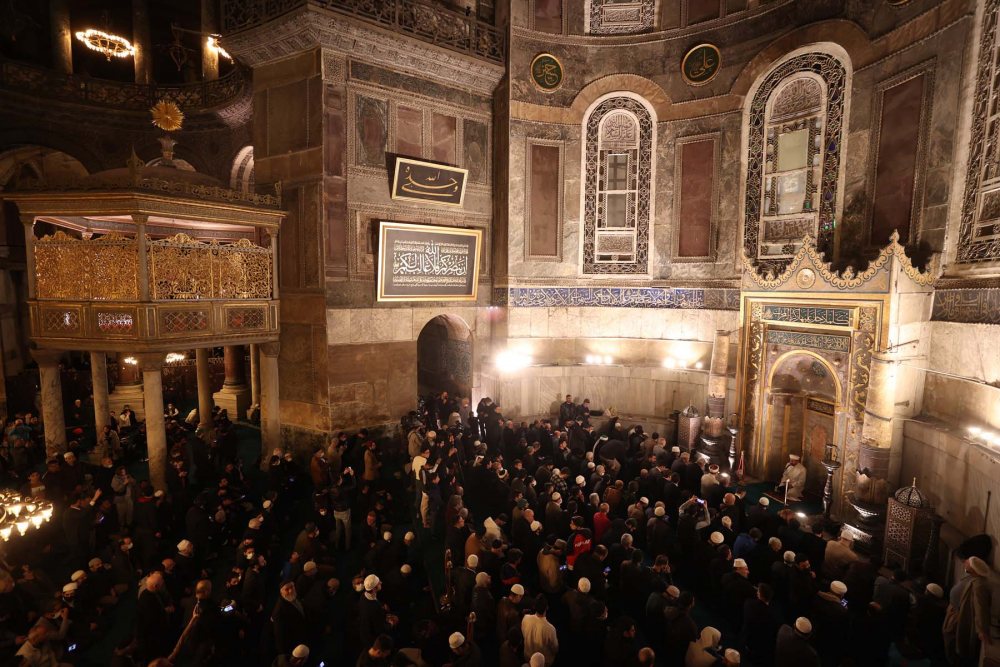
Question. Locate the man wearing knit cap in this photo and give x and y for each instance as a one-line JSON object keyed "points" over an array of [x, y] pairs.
{"points": [[709, 480], [463, 580], [509, 612], [716, 538], [832, 621], [793, 479], [967, 620], [792, 648], [373, 619], [928, 614], [737, 589], [467, 654]]}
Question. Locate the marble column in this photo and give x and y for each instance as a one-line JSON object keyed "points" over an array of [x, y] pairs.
{"points": [[235, 395], [151, 365], [204, 388], [62, 36], [99, 374], [209, 26], [254, 374], [270, 421], [53, 418], [142, 41]]}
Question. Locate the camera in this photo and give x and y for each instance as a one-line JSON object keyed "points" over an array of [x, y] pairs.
{"points": [[71, 647]]}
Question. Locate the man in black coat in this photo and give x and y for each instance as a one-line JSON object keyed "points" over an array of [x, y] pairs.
{"points": [[152, 620], [792, 648], [590, 564], [760, 628], [814, 546], [373, 619], [680, 628], [802, 586], [289, 620], [567, 411], [832, 622], [737, 589]]}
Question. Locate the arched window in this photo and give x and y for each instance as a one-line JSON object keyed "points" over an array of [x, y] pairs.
{"points": [[793, 163], [618, 176]]}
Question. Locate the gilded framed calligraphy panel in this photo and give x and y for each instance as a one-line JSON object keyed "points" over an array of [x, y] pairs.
{"points": [[429, 183], [427, 262]]}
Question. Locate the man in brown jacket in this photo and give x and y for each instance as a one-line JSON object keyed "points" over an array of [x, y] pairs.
{"points": [[967, 621]]}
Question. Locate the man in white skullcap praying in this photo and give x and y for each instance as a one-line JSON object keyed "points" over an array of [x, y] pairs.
{"points": [[793, 479]]}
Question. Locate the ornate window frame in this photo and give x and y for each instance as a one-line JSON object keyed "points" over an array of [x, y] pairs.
{"points": [[675, 236], [925, 69], [560, 205], [831, 63], [604, 17], [645, 116], [982, 192]]}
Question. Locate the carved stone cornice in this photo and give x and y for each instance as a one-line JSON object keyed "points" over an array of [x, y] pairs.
{"points": [[311, 27]]}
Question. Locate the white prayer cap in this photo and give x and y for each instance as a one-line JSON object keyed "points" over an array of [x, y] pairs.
{"points": [[794, 457], [803, 625], [673, 591], [69, 588], [717, 538], [517, 589], [733, 656], [659, 511], [727, 522], [556, 496], [406, 569], [935, 590], [644, 500], [675, 450], [580, 481], [713, 468], [95, 562], [309, 566], [77, 576], [431, 435], [456, 639], [300, 651], [738, 563], [267, 504], [590, 465], [372, 582], [979, 566], [537, 660], [764, 502], [158, 493], [774, 542], [409, 535], [254, 523], [183, 544], [482, 578], [838, 587], [583, 585], [472, 561], [535, 526], [789, 557], [387, 536]]}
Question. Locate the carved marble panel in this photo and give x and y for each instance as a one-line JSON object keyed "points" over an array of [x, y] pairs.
{"points": [[372, 131]]}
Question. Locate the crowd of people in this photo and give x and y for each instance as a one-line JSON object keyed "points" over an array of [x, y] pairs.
{"points": [[470, 540]]}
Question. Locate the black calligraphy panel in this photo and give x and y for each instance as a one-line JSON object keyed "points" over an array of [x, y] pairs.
{"points": [[428, 183], [427, 263]]}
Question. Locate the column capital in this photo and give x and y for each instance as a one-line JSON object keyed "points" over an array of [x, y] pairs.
{"points": [[47, 357], [270, 349], [150, 361], [28, 219], [139, 218]]}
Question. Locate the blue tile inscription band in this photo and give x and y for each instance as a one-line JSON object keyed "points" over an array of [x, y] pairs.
{"points": [[617, 297]]}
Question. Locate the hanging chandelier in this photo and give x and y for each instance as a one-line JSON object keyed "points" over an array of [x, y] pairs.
{"points": [[106, 43], [19, 512]]}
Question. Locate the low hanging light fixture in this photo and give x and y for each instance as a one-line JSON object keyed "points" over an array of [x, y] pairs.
{"points": [[131, 360], [213, 44], [106, 43], [174, 357], [21, 512]]}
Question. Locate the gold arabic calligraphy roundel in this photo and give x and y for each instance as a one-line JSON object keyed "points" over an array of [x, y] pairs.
{"points": [[701, 64], [546, 72]]}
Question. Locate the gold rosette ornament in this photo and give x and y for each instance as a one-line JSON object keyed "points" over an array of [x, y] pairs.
{"points": [[167, 116]]}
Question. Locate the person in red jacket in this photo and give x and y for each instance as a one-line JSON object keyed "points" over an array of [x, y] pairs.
{"points": [[601, 522], [579, 540]]}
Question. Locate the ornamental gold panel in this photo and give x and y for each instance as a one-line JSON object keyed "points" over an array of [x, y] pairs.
{"points": [[104, 268], [184, 268]]}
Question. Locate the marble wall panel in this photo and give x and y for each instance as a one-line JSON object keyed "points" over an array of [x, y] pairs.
{"points": [[409, 132], [696, 205], [372, 131], [543, 221], [444, 131], [476, 139]]}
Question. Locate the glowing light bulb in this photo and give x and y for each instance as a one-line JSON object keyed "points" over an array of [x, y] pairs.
{"points": [[670, 363], [5, 532], [590, 358], [22, 526], [607, 360], [37, 519], [699, 365], [15, 509]]}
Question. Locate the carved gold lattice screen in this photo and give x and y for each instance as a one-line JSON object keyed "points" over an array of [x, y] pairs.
{"points": [[104, 268], [183, 268]]}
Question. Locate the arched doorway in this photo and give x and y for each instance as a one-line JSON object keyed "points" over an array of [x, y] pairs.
{"points": [[801, 402], [444, 357]]}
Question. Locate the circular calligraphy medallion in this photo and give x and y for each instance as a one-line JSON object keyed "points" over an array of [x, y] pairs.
{"points": [[546, 72], [701, 64], [805, 278]]}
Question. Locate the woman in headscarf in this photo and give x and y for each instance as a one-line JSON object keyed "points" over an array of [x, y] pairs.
{"points": [[706, 651]]}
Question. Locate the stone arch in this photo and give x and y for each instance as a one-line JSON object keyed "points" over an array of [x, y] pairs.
{"points": [[654, 96], [36, 162], [445, 356], [241, 175]]}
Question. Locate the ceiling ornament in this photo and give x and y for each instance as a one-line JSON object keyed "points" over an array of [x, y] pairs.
{"points": [[167, 116], [106, 43]]}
